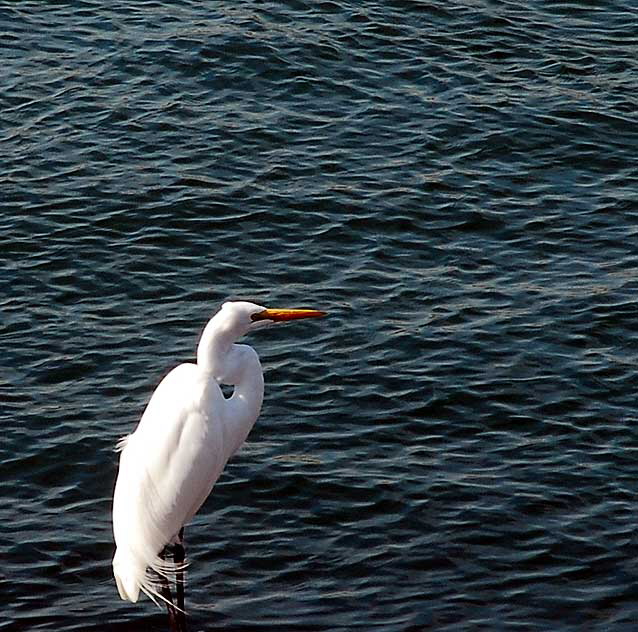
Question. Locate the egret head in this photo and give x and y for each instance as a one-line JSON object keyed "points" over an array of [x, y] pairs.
{"points": [[229, 324]]}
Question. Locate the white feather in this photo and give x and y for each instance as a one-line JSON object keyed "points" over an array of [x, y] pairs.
{"points": [[187, 433], [169, 465]]}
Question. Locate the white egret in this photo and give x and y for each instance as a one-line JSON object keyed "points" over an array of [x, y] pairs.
{"points": [[187, 433]]}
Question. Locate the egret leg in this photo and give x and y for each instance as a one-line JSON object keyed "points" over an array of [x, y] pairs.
{"points": [[175, 617], [165, 591], [178, 556]]}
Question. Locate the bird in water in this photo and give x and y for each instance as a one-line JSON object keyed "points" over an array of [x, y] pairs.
{"points": [[185, 437]]}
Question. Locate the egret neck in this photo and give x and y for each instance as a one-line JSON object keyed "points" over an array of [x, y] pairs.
{"points": [[221, 360]]}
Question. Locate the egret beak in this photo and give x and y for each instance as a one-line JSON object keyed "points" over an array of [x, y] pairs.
{"points": [[283, 315]]}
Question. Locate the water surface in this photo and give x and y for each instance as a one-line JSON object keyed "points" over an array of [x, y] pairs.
{"points": [[455, 448]]}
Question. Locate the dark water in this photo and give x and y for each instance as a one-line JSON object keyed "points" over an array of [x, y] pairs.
{"points": [[456, 447]]}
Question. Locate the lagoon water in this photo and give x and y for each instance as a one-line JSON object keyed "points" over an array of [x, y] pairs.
{"points": [[456, 447]]}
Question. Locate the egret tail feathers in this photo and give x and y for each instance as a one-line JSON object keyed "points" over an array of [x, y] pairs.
{"points": [[128, 577], [132, 577], [162, 568]]}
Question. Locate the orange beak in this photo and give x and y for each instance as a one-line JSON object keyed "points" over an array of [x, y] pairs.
{"points": [[283, 315]]}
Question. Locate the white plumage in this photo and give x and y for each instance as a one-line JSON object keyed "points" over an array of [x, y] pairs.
{"points": [[187, 433]]}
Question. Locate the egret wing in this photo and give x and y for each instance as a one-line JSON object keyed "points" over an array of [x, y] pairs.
{"points": [[168, 467]]}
